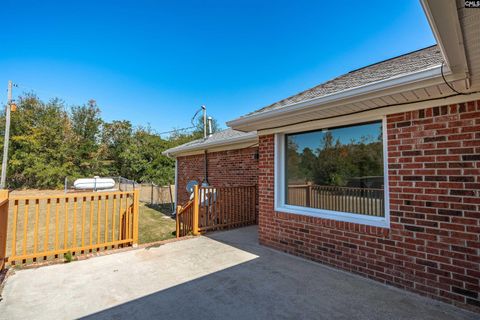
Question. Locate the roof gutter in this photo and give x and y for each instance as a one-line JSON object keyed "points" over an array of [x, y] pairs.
{"points": [[357, 92], [173, 152], [445, 24]]}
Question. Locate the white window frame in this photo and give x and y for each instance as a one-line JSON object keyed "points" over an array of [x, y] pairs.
{"points": [[279, 190]]}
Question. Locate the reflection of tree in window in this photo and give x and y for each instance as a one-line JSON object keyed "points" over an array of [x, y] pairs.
{"points": [[334, 163], [340, 169]]}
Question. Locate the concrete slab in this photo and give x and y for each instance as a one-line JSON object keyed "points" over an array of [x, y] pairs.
{"points": [[225, 275]]}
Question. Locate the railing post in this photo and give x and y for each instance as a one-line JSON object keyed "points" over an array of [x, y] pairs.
{"points": [[136, 212], [196, 204], [177, 218], [3, 226], [307, 197]]}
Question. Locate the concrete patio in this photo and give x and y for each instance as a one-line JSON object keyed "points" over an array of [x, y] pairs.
{"points": [[226, 275]]}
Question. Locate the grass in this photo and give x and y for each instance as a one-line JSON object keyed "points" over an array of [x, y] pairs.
{"points": [[154, 223]]}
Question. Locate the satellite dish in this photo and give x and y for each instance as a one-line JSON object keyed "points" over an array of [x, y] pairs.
{"points": [[190, 185]]}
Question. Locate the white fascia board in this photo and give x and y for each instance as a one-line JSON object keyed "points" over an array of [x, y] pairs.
{"points": [[390, 83], [174, 152]]}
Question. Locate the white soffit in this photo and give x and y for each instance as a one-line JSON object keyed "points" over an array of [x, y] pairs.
{"points": [[429, 89]]}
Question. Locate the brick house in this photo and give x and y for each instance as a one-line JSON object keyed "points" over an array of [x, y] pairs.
{"points": [[225, 159], [377, 171]]}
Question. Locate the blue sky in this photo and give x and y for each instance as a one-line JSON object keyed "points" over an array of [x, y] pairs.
{"points": [[156, 62]]}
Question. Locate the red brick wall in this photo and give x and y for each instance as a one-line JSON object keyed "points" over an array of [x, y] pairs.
{"points": [[433, 245], [225, 169]]}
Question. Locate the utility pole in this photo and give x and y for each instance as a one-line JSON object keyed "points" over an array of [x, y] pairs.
{"points": [[7, 136]]}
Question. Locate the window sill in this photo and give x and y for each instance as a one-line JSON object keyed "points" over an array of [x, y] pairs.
{"points": [[335, 215]]}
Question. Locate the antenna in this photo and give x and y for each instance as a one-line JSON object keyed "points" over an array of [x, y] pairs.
{"points": [[204, 109]]}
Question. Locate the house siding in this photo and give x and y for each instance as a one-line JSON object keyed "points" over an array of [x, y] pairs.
{"points": [[432, 246], [231, 168]]}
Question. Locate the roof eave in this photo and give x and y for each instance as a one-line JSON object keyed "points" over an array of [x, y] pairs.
{"points": [[445, 24], [178, 151], [246, 123]]}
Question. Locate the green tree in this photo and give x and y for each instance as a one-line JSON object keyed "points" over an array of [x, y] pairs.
{"points": [[49, 143], [117, 137], [37, 156], [84, 144]]}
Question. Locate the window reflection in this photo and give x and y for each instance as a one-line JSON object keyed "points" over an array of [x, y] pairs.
{"points": [[339, 169]]}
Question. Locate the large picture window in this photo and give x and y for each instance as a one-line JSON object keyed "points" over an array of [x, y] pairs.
{"points": [[336, 170]]}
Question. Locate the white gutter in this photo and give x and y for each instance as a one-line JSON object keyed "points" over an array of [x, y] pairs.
{"points": [[251, 136], [445, 24], [390, 83]]}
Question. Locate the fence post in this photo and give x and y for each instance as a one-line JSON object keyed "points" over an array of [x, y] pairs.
{"points": [[196, 205], [3, 226], [151, 194], [177, 218], [136, 212], [307, 197]]}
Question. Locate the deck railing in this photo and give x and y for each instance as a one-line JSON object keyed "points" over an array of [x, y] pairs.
{"points": [[3, 227], [185, 223], [216, 208], [366, 201], [40, 227]]}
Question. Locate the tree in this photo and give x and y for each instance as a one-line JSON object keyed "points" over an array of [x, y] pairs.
{"points": [[86, 125], [49, 143], [115, 142], [37, 145]]}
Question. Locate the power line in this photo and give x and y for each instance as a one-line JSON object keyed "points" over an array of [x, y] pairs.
{"points": [[176, 130]]}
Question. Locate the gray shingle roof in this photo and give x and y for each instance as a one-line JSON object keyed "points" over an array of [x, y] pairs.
{"points": [[408, 63], [227, 136]]}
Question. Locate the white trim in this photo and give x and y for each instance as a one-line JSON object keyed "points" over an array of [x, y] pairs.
{"points": [[386, 186], [279, 189], [227, 147], [390, 83], [201, 146], [176, 187]]}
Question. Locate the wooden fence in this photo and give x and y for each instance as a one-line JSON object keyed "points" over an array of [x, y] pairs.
{"points": [[40, 227], [366, 201], [215, 208], [154, 194]]}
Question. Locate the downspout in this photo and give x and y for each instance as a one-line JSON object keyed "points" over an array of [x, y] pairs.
{"points": [[205, 158], [205, 161], [209, 122]]}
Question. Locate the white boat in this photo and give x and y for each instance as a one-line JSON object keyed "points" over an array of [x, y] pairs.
{"points": [[95, 183]]}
